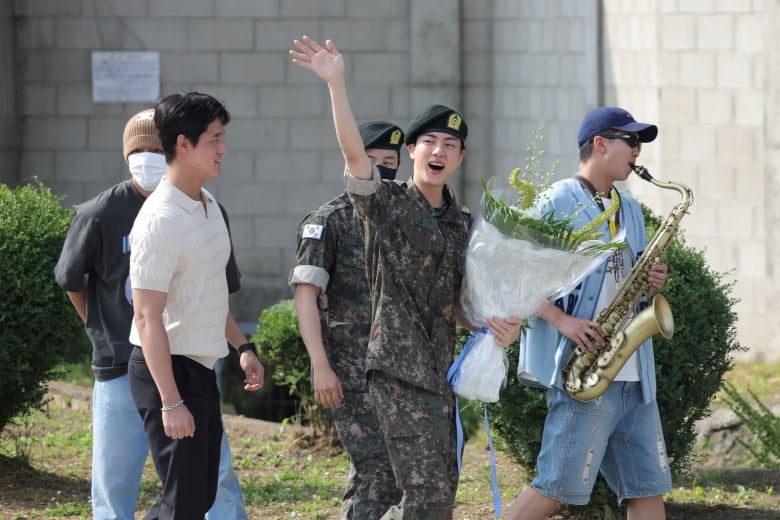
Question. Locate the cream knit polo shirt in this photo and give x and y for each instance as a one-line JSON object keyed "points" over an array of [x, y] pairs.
{"points": [[180, 247]]}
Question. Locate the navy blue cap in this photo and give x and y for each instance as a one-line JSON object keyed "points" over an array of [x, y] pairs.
{"points": [[605, 118]]}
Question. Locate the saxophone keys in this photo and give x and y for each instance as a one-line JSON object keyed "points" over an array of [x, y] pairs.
{"points": [[573, 386], [592, 379], [605, 359]]}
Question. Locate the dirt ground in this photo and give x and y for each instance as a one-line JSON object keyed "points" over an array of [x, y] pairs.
{"points": [[740, 493], [713, 464]]}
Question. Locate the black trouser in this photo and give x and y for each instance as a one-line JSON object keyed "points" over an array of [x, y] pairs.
{"points": [[188, 468]]}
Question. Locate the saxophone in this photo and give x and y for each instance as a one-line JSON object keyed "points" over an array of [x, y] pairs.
{"points": [[589, 375]]}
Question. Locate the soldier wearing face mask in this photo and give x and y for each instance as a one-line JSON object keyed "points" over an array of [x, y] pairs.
{"points": [[334, 313], [383, 142], [93, 269]]}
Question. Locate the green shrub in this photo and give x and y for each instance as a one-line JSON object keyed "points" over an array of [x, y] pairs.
{"points": [[38, 325], [280, 345], [762, 423], [689, 367]]}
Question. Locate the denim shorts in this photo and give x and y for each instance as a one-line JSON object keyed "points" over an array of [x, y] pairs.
{"points": [[616, 433]]}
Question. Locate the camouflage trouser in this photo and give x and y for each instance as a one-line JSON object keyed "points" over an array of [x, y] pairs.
{"points": [[419, 432], [371, 488]]}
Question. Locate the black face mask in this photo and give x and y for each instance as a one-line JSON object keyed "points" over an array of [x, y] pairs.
{"points": [[386, 173]]}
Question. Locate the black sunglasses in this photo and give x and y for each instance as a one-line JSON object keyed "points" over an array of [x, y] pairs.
{"points": [[631, 140]]}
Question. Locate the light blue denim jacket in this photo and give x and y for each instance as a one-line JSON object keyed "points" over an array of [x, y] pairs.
{"points": [[543, 350]]}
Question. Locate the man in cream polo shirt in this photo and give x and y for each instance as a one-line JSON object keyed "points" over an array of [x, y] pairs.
{"points": [[180, 247]]}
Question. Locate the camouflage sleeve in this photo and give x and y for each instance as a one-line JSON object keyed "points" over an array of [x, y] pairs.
{"points": [[366, 195], [315, 253]]}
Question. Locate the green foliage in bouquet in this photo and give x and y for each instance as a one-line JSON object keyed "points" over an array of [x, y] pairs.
{"points": [[689, 367], [762, 423], [518, 219], [38, 325], [280, 345]]}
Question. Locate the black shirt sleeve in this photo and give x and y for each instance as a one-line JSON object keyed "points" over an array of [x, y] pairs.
{"points": [[81, 247], [231, 270]]}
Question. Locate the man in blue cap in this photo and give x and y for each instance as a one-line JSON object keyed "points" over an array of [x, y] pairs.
{"points": [[619, 433], [416, 236], [333, 304]]}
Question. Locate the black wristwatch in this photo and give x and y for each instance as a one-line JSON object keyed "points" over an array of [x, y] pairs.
{"points": [[247, 346]]}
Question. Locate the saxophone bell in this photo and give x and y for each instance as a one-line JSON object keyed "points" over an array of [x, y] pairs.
{"points": [[656, 319]]}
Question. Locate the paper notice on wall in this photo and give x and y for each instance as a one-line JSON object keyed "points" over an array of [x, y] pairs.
{"points": [[125, 77]]}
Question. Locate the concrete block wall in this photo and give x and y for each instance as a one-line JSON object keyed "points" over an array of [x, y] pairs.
{"points": [[526, 62], [703, 70], [699, 70], [283, 158]]}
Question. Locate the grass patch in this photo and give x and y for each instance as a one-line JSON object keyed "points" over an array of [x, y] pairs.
{"points": [[762, 378], [285, 474], [77, 373]]}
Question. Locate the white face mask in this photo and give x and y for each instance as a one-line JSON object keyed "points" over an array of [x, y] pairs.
{"points": [[147, 169]]}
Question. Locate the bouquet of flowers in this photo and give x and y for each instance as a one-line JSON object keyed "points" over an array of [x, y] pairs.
{"points": [[517, 258]]}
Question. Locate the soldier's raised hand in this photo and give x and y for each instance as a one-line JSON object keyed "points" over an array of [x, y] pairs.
{"points": [[326, 62]]}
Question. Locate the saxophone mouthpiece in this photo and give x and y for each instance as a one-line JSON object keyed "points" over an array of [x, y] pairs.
{"points": [[641, 171]]}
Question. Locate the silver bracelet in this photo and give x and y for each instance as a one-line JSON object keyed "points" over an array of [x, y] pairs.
{"points": [[172, 406]]}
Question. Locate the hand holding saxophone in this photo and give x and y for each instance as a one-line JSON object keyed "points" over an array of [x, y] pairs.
{"points": [[586, 334], [657, 275]]}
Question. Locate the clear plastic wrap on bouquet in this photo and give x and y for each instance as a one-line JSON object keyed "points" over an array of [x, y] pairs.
{"points": [[480, 371], [510, 277], [507, 277]]}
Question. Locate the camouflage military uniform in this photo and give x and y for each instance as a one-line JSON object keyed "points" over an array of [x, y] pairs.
{"points": [[331, 255], [414, 260]]}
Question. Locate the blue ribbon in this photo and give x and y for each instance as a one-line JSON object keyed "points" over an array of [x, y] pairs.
{"points": [[493, 475], [452, 376]]}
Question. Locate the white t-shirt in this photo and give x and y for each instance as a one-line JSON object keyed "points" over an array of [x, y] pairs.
{"points": [[618, 268], [180, 246]]}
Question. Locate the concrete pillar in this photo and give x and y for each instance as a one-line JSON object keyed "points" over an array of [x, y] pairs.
{"points": [[772, 161], [772, 129], [9, 142], [435, 54], [594, 58]]}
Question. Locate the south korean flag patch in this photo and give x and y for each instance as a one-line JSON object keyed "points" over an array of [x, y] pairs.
{"points": [[312, 231]]}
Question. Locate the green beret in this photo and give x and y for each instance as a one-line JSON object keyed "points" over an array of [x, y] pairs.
{"points": [[437, 118], [381, 134]]}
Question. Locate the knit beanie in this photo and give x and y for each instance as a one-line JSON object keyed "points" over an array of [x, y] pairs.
{"points": [[140, 132]]}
